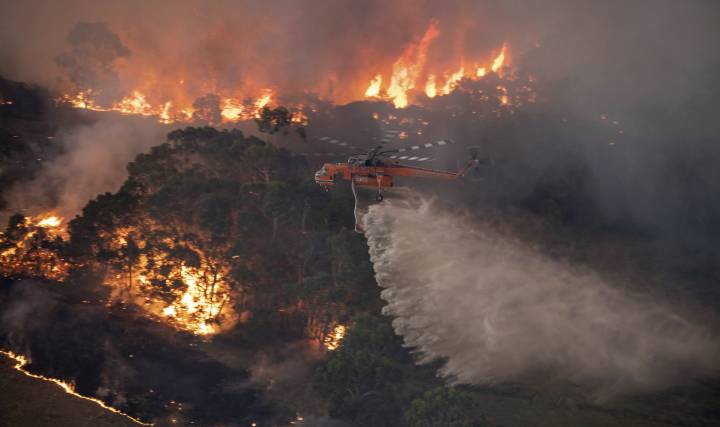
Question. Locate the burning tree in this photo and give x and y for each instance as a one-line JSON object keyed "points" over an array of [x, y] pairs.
{"points": [[32, 247], [213, 227]]}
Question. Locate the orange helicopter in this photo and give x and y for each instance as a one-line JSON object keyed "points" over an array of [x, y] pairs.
{"points": [[377, 170]]}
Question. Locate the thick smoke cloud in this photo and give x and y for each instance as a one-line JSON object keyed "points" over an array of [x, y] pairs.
{"points": [[28, 311], [93, 162], [500, 311], [651, 65]]}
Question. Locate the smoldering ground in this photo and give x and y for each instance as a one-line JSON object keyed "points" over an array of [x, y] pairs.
{"points": [[500, 311], [142, 367]]}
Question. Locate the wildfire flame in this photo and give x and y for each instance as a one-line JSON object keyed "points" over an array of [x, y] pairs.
{"points": [[333, 340], [374, 89], [430, 87], [199, 300], [452, 80], [194, 310], [169, 100], [137, 103], [499, 60], [50, 221], [23, 253], [20, 363], [409, 68]]}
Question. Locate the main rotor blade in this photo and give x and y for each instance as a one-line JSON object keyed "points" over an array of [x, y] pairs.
{"points": [[337, 142], [435, 144], [406, 158]]}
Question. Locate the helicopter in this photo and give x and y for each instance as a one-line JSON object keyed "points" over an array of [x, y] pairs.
{"points": [[378, 168]]}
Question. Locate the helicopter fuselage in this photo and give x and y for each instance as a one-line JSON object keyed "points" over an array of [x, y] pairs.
{"points": [[374, 173]]}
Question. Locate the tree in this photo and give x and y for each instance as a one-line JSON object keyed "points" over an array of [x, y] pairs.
{"points": [[280, 119], [442, 407], [360, 378]]}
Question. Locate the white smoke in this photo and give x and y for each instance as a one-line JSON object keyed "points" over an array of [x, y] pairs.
{"points": [[498, 310], [93, 162]]}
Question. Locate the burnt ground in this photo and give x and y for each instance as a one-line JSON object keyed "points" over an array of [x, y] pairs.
{"points": [[31, 402]]}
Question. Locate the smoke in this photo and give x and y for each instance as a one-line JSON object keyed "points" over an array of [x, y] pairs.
{"points": [[497, 310], [650, 66], [28, 310], [93, 162], [90, 61]]}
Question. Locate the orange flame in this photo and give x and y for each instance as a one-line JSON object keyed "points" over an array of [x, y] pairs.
{"points": [[410, 67], [499, 60], [452, 81], [333, 340], [26, 255], [430, 87], [407, 69], [374, 89]]}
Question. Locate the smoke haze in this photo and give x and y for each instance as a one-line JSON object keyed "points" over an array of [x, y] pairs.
{"points": [[93, 161], [595, 52], [500, 311]]}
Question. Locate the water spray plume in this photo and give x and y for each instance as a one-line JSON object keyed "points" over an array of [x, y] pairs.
{"points": [[499, 311]]}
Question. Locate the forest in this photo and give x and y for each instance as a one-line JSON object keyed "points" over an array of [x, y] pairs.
{"points": [[220, 285], [271, 262]]}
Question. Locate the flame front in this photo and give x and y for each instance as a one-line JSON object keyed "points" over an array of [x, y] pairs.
{"points": [[174, 98], [169, 111], [411, 67], [407, 69]]}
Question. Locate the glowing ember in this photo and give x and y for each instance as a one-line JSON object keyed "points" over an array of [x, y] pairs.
{"points": [[69, 388], [374, 89], [334, 339], [503, 95], [481, 72]]}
